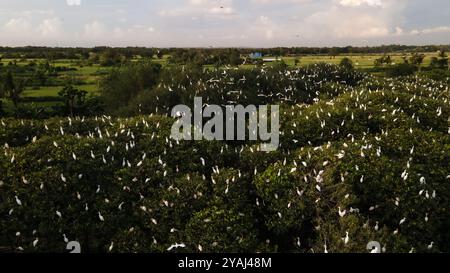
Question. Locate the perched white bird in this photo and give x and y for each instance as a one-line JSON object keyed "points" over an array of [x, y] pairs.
{"points": [[422, 180], [100, 216], [24, 180], [18, 201], [346, 239], [342, 212], [318, 188], [35, 242], [66, 240]]}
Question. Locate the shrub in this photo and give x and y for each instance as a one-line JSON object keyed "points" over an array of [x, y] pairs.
{"points": [[400, 70], [346, 63], [221, 230]]}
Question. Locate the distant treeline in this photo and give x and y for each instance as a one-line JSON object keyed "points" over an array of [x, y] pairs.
{"points": [[84, 53], [283, 51], [31, 52]]}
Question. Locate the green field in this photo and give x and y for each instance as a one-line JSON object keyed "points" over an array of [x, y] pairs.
{"points": [[52, 91], [360, 61], [85, 78]]}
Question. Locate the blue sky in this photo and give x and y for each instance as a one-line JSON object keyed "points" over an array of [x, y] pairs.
{"points": [[204, 23]]}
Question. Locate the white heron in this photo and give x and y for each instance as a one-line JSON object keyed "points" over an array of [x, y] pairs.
{"points": [[100, 216], [18, 201], [342, 213]]}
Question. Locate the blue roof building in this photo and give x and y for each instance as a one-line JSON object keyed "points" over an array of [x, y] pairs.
{"points": [[256, 55]]}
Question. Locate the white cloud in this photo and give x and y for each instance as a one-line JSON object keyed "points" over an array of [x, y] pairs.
{"points": [[264, 20], [73, 2], [269, 34], [433, 30], [98, 33], [267, 2], [50, 27], [220, 10], [224, 23], [262, 28], [399, 31], [372, 20], [94, 30], [197, 8], [353, 25], [439, 29], [198, 2], [356, 3], [19, 30], [17, 25], [335, 22]]}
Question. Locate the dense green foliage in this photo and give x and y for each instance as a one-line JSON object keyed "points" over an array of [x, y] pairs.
{"points": [[361, 159], [179, 85], [401, 70]]}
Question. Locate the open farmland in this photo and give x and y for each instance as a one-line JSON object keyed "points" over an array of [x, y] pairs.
{"points": [[359, 60]]}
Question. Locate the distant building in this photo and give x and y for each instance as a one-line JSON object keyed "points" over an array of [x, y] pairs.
{"points": [[256, 55], [272, 59]]}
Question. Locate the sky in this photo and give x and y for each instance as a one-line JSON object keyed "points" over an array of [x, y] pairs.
{"points": [[223, 23]]}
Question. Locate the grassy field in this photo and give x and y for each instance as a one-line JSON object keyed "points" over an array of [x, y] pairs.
{"points": [[86, 78], [52, 91], [360, 61]]}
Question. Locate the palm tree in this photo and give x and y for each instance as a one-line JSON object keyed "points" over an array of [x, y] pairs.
{"points": [[16, 92], [72, 97], [12, 88], [417, 60]]}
